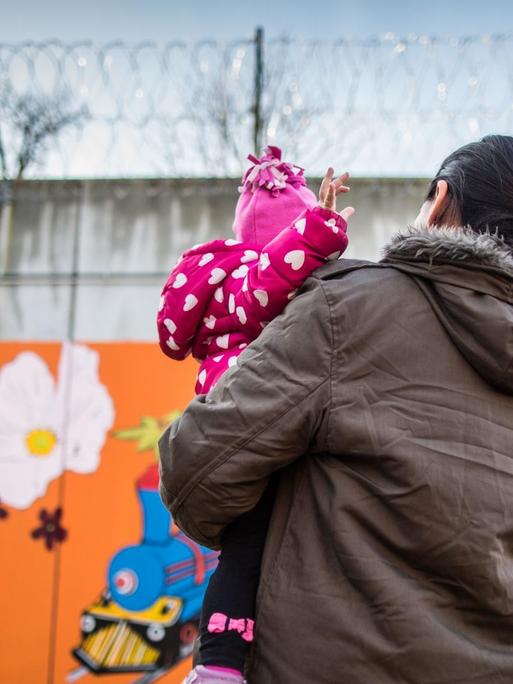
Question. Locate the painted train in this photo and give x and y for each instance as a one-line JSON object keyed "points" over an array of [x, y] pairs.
{"points": [[147, 619]]}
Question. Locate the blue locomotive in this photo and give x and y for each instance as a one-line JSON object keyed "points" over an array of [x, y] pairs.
{"points": [[147, 619]]}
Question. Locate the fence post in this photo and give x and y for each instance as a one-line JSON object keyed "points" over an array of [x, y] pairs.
{"points": [[258, 84], [6, 224]]}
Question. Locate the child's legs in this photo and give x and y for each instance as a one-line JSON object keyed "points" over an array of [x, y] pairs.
{"points": [[231, 593]]}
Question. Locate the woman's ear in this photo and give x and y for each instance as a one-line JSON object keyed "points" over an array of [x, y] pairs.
{"points": [[439, 202]]}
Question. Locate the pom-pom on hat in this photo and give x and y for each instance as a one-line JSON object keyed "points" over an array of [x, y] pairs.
{"points": [[273, 194]]}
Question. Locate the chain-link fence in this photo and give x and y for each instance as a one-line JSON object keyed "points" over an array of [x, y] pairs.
{"points": [[382, 106]]}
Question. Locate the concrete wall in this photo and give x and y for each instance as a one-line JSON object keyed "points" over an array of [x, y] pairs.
{"points": [[87, 259]]}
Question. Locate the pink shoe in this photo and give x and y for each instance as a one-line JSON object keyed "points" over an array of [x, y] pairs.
{"points": [[204, 675]]}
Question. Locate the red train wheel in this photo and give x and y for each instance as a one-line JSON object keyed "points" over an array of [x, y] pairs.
{"points": [[188, 633]]}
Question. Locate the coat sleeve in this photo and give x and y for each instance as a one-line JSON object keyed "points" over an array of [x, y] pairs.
{"points": [[272, 408]]}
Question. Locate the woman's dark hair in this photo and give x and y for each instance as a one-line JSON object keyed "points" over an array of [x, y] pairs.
{"points": [[480, 186]]}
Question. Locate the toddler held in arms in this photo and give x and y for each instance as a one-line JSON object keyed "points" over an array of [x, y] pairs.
{"points": [[217, 300]]}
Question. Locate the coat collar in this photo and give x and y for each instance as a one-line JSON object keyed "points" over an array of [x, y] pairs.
{"points": [[444, 244]]}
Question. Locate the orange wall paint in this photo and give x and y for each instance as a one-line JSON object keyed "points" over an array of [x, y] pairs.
{"points": [[100, 511]]}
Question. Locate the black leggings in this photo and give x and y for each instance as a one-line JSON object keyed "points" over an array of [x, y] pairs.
{"points": [[232, 588]]}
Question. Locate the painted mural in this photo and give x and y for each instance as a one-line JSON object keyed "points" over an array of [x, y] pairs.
{"points": [[101, 582]]}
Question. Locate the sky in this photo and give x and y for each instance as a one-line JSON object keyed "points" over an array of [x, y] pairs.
{"points": [[473, 95], [190, 20]]}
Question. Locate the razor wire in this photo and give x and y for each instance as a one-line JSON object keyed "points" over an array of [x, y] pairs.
{"points": [[383, 106]]}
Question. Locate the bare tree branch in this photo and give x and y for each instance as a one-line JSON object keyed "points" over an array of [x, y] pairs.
{"points": [[30, 123]]}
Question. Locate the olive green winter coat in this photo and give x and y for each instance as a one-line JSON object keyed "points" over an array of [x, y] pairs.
{"points": [[384, 397]]}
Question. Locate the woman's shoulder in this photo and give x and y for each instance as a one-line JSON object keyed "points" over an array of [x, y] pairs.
{"points": [[345, 272], [364, 280], [334, 270]]}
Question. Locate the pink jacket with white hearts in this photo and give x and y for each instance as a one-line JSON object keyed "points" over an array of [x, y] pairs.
{"points": [[221, 294]]}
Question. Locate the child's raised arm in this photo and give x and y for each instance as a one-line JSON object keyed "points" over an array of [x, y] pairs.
{"points": [[316, 236]]}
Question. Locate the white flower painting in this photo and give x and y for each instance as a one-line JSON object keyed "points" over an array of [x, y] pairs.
{"points": [[47, 425]]}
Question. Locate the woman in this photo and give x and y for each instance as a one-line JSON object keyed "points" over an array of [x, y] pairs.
{"points": [[383, 400]]}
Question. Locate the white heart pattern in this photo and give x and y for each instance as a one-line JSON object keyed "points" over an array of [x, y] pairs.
{"points": [[245, 284], [170, 325], [202, 377], [231, 303], [205, 259], [230, 242], [241, 315], [216, 276], [249, 255], [240, 272], [219, 295], [179, 281], [264, 261], [333, 256], [262, 297], [300, 226], [172, 344], [232, 361], [332, 223], [162, 301], [223, 341], [219, 358], [296, 259], [210, 322], [190, 302]]}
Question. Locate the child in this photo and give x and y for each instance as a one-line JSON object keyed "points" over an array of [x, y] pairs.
{"points": [[218, 299]]}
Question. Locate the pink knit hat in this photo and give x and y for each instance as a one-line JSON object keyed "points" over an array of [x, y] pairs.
{"points": [[272, 196]]}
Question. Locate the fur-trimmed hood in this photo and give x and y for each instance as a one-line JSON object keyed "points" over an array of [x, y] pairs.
{"points": [[468, 280], [451, 245]]}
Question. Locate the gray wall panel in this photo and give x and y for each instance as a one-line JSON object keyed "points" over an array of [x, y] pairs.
{"points": [[103, 247]]}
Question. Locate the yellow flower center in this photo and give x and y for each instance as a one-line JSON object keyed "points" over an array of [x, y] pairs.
{"points": [[40, 442]]}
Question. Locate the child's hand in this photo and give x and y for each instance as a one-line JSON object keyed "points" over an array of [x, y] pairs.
{"points": [[330, 189]]}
